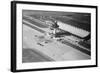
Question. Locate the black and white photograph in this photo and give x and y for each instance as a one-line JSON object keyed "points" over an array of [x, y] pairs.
{"points": [[55, 36], [51, 36]]}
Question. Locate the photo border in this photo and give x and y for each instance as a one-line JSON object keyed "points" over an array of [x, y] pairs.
{"points": [[13, 35]]}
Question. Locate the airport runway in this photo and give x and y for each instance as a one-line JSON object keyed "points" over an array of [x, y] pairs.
{"points": [[31, 55], [34, 50], [55, 50]]}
